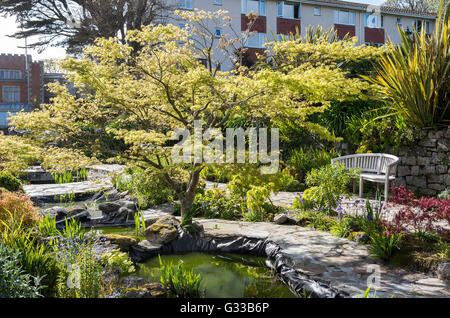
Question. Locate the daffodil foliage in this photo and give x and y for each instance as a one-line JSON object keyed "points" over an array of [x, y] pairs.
{"points": [[129, 102]]}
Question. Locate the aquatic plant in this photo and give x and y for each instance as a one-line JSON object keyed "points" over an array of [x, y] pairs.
{"points": [[179, 281]]}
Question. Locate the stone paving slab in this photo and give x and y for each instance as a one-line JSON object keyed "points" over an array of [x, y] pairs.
{"points": [[52, 190]]}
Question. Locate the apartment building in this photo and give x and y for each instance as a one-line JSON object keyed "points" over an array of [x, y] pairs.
{"points": [[19, 89], [373, 25]]}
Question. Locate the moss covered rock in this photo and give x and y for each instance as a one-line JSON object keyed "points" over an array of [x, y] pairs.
{"points": [[123, 241]]}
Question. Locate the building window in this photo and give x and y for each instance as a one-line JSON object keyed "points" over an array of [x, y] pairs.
{"points": [[185, 4], [399, 21], [253, 6], [11, 94], [257, 40], [10, 74], [420, 24], [317, 11], [288, 10], [382, 21], [371, 21], [344, 17], [218, 2], [218, 32]]}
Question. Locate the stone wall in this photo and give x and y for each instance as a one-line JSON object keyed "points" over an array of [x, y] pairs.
{"points": [[425, 166]]}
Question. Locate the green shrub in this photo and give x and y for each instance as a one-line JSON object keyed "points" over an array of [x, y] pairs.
{"points": [[328, 185], [147, 185], [14, 281], [256, 199], [303, 161], [445, 195], [375, 135], [315, 220], [215, 203], [117, 260], [343, 227], [384, 245], [9, 182], [47, 226], [81, 275], [179, 281], [35, 259]]}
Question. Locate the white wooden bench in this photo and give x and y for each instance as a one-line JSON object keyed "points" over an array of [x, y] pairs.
{"points": [[374, 167]]}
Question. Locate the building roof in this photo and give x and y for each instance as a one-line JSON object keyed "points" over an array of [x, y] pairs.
{"points": [[365, 6]]}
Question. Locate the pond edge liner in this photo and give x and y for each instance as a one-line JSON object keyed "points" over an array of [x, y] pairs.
{"points": [[187, 243]]}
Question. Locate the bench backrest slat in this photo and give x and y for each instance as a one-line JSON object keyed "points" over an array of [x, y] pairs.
{"points": [[374, 162]]}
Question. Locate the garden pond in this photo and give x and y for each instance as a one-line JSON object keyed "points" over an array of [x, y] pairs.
{"points": [[223, 275]]}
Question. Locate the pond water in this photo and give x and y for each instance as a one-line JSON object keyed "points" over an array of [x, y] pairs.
{"points": [[122, 230], [224, 275]]}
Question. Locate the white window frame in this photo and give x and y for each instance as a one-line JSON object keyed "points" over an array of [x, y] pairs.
{"points": [[261, 7], [317, 11], [185, 4], [281, 11], [368, 15], [350, 13], [12, 92]]}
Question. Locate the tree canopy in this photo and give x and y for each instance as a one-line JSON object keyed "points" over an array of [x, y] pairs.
{"points": [[130, 102], [77, 23]]}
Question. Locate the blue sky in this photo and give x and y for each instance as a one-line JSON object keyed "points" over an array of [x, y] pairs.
{"points": [[8, 26]]}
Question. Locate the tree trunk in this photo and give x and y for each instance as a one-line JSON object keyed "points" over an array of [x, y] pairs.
{"points": [[187, 198]]}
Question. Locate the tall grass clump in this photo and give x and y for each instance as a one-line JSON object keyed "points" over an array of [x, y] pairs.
{"points": [[179, 281], [414, 76]]}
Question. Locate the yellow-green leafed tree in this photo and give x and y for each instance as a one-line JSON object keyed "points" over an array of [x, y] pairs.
{"points": [[129, 102]]}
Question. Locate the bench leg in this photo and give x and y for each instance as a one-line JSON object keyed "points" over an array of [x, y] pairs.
{"points": [[386, 191], [354, 185], [361, 187]]}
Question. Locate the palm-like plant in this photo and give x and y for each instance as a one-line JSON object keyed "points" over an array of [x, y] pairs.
{"points": [[414, 77]]}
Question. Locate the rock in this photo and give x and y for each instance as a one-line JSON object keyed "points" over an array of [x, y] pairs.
{"points": [[169, 220], [109, 207], [443, 271], [124, 242], [133, 282], [193, 228], [58, 213], [111, 195], [131, 205], [76, 210], [280, 218], [149, 246], [162, 230], [161, 233], [152, 290]]}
